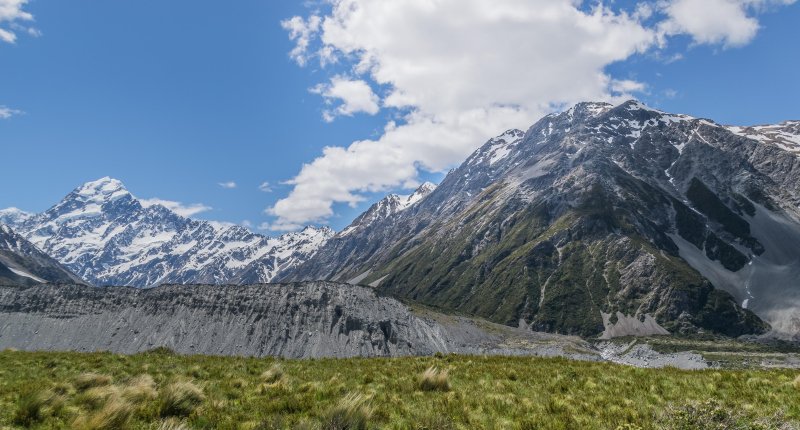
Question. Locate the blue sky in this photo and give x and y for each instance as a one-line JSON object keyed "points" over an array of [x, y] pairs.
{"points": [[174, 98]]}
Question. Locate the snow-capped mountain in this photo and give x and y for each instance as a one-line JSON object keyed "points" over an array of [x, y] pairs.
{"points": [[13, 216], [109, 237], [22, 263], [594, 212], [388, 206]]}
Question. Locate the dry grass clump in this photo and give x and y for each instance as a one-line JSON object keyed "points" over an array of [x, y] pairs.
{"points": [[86, 381], [33, 406], [172, 424], [273, 375], [796, 382], [351, 413], [140, 389], [115, 414], [433, 380], [180, 399], [95, 398]]}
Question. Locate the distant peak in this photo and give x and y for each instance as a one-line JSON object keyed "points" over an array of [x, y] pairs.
{"points": [[426, 188], [102, 186]]}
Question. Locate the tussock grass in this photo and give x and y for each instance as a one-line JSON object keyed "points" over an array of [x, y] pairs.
{"points": [[86, 381], [37, 391], [351, 413], [36, 404], [273, 375], [433, 379], [180, 399], [140, 389], [114, 414]]}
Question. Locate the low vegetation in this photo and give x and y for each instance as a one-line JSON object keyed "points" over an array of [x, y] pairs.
{"points": [[160, 390]]}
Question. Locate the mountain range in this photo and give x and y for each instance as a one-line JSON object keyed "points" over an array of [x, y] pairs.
{"points": [[601, 220], [107, 236]]}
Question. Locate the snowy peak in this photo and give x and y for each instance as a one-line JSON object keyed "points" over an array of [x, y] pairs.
{"points": [[100, 191], [785, 135], [388, 206], [14, 216], [103, 233]]}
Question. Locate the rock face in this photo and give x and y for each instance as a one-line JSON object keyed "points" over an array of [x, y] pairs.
{"points": [[317, 319], [600, 209], [109, 237], [23, 264]]}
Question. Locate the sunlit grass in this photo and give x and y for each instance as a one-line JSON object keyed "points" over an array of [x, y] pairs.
{"points": [[161, 390]]}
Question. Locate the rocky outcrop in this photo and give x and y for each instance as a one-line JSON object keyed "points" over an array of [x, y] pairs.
{"points": [[318, 319]]}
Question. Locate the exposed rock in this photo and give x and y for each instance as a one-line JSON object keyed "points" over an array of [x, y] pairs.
{"points": [[290, 320]]}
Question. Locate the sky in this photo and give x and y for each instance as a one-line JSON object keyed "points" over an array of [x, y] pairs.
{"points": [[276, 115]]}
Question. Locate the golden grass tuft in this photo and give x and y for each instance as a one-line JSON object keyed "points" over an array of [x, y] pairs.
{"points": [[95, 398], [796, 382], [86, 381], [115, 414], [351, 413], [180, 399], [273, 375], [172, 424], [140, 389], [433, 380]]}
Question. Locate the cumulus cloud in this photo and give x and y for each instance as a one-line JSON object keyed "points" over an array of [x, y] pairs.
{"points": [[12, 16], [457, 72], [352, 96], [179, 208], [729, 23], [227, 185], [6, 112], [300, 31]]}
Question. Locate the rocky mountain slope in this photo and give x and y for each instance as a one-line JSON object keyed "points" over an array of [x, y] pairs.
{"points": [[599, 219], [109, 237], [23, 264], [294, 320]]}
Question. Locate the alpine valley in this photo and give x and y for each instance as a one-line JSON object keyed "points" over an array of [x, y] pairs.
{"points": [[599, 221]]}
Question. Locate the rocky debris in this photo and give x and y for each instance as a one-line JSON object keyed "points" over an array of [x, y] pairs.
{"points": [[304, 320], [630, 326], [642, 355]]}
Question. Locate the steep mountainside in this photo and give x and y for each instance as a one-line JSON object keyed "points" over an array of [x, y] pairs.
{"points": [[103, 233], [21, 263], [594, 214]]}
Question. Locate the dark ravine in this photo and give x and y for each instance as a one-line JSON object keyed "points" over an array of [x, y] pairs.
{"points": [[317, 319]]}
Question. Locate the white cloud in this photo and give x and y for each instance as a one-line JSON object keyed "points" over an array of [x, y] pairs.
{"points": [[7, 112], [300, 31], [726, 22], [11, 15], [227, 185], [355, 96], [265, 187], [458, 72], [177, 207]]}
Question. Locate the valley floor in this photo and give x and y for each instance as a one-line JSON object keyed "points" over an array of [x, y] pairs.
{"points": [[161, 390]]}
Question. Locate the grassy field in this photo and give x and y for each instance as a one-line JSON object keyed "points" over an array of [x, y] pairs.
{"points": [[160, 390]]}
